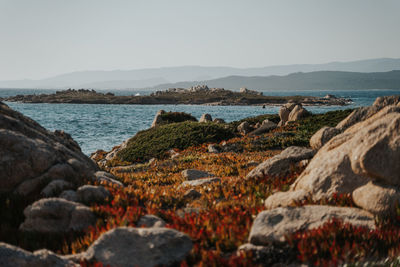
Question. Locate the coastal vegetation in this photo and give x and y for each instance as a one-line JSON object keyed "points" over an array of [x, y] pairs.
{"points": [[219, 220], [155, 142], [219, 215], [171, 117]]}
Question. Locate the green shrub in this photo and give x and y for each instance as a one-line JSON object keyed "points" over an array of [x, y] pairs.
{"points": [[155, 142], [310, 125], [171, 117], [299, 133]]}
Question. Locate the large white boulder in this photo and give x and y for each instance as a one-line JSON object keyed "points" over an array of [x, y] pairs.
{"points": [[145, 247]]}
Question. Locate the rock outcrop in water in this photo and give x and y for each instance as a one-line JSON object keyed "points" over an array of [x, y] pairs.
{"points": [[196, 95]]}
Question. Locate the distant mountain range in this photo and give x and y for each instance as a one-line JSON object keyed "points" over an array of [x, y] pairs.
{"points": [[319, 80], [227, 77]]}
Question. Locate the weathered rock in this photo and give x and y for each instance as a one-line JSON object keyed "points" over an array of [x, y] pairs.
{"points": [[271, 226], [212, 148], [150, 220], [367, 150], [158, 118], [322, 136], [98, 155], [284, 115], [205, 118], [364, 113], [284, 112], [244, 90], [112, 155], [297, 113], [265, 127], [282, 163], [384, 101], [202, 181], [192, 194], [56, 215], [11, 256], [285, 199], [356, 116], [231, 147], [32, 157], [105, 177], [193, 174], [244, 128], [54, 188], [378, 199], [173, 154], [69, 195], [127, 246], [89, 194]]}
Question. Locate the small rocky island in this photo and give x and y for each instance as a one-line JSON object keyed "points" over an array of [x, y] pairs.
{"points": [[197, 95]]}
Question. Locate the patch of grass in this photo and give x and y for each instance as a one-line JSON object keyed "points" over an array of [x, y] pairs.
{"points": [[171, 117], [298, 133], [155, 142], [310, 125]]}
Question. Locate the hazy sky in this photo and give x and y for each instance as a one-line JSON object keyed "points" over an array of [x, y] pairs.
{"points": [[41, 38]]}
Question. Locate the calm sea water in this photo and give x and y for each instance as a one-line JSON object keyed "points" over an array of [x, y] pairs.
{"points": [[104, 126]]}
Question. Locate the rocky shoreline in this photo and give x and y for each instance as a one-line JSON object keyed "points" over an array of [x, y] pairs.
{"points": [[199, 95], [288, 189]]}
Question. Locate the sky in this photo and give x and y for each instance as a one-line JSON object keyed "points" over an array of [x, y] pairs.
{"points": [[43, 38]]}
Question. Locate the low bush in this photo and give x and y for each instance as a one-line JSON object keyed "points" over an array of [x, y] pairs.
{"points": [[171, 117], [155, 142], [298, 133]]}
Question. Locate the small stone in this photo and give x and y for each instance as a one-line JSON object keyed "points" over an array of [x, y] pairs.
{"points": [[108, 178], [244, 128], [212, 148], [265, 127], [193, 174], [56, 215], [205, 118], [89, 194], [218, 120], [202, 181], [150, 220], [192, 194]]}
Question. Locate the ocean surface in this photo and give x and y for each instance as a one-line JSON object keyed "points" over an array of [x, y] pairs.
{"points": [[100, 126]]}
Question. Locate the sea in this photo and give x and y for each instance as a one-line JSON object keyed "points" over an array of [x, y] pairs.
{"points": [[103, 126]]}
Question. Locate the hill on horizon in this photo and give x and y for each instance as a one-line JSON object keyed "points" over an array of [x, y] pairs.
{"points": [[157, 77], [319, 80]]}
